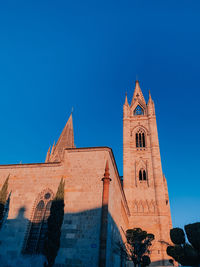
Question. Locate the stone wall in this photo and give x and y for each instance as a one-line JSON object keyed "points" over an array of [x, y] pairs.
{"points": [[82, 170]]}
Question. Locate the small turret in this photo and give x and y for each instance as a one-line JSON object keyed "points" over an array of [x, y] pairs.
{"points": [[126, 108], [150, 106], [48, 155], [126, 100]]}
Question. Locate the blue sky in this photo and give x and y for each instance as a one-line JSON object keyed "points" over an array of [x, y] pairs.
{"points": [[55, 55]]}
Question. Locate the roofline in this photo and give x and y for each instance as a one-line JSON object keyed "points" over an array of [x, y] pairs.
{"points": [[105, 148], [40, 164]]}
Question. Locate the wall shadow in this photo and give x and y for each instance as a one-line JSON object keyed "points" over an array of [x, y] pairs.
{"points": [[79, 243]]}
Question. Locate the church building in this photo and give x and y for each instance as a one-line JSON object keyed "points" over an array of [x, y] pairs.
{"points": [[99, 205]]}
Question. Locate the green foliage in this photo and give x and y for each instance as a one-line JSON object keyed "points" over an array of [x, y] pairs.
{"points": [[3, 198], [182, 252], [55, 220], [193, 234], [139, 242], [177, 236], [145, 261]]}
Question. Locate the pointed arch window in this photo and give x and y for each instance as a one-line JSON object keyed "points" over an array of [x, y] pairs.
{"points": [[142, 175], [38, 225], [138, 111], [140, 139]]}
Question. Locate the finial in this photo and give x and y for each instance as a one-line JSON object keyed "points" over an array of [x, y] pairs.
{"points": [[48, 155], [149, 93], [72, 110], [150, 99], [126, 100], [53, 147]]}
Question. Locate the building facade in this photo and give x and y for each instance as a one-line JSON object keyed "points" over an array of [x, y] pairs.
{"points": [[99, 207]]}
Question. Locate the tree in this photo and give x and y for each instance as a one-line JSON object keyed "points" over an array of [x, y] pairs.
{"points": [[55, 220], [183, 252], [3, 199], [139, 242]]}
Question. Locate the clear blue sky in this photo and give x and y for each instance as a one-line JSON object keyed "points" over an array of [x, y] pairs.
{"points": [[87, 54]]}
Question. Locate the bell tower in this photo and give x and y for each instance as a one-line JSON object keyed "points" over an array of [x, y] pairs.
{"points": [[145, 185]]}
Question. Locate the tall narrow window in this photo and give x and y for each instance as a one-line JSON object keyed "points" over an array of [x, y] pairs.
{"points": [[38, 226], [142, 175], [143, 139], [140, 138], [136, 138]]}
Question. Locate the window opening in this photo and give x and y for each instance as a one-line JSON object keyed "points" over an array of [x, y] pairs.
{"points": [[137, 143], [142, 175], [143, 139], [138, 111], [39, 226], [140, 139]]}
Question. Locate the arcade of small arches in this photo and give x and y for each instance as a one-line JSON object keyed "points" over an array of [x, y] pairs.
{"points": [[145, 206]]}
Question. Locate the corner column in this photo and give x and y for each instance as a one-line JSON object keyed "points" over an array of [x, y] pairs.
{"points": [[104, 217]]}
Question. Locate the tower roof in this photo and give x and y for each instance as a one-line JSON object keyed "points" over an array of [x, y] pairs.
{"points": [[66, 139], [138, 95]]}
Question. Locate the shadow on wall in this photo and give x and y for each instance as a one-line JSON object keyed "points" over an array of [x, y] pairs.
{"points": [[79, 244]]}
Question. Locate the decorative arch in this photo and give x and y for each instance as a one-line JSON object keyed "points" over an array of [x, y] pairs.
{"points": [[141, 104], [37, 227], [147, 206], [139, 127], [152, 206], [135, 206], [140, 207], [138, 110], [141, 173]]}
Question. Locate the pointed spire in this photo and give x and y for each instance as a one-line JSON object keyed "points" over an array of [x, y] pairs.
{"points": [[66, 140], [126, 100], [48, 155], [107, 174], [150, 105], [138, 95], [150, 99], [53, 147]]}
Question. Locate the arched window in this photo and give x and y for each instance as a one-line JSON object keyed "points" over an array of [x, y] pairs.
{"points": [[140, 139], [143, 139], [138, 111], [38, 225], [142, 175]]}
